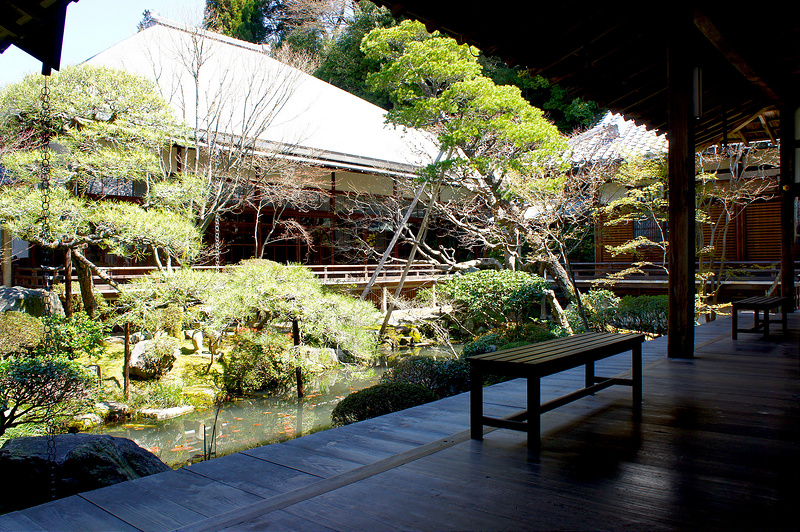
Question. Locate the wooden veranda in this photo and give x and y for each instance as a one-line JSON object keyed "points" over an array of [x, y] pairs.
{"points": [[717, 448]]}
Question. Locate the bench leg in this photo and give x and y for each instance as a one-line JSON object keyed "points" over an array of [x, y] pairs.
{"points": [[784, 318], [636, 376], [735, 323], [475, 402], [766, 323], [589, 374], [534, 413]]}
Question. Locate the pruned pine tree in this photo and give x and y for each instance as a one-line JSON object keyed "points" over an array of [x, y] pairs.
{"points": [[109, 128]]}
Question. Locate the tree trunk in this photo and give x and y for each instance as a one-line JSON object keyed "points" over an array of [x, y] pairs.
{"points": [[68, 283], [87, 288], [558, 312]]}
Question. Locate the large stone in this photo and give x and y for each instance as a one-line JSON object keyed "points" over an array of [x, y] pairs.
{"points": [[82, 462], [318, 358], [145, 364], [30, 300], [166, 413]]}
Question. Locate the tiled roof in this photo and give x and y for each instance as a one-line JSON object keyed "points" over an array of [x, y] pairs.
{"points": [[614, 139]]}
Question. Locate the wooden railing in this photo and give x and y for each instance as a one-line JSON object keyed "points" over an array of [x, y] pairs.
{"points": [[752, 275], [734, 270], [344, 274]]}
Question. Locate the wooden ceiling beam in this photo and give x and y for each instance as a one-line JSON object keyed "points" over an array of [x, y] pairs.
{"points": [[767, 128], [712, 33]]}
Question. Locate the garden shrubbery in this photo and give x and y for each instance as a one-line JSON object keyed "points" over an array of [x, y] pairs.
{"points": [[259, 362], [40, 389], [526, 333], [600, 307], [77, 336], [378, 400], [495, 297], [443, 377], [604, 310], [19, 333], [647, 314], [159, 355]]}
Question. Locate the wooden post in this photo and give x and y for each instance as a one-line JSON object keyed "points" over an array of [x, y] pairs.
{"points": [[68, 283], [790, 142], [126, 368], [297, 371], [680, 86], [7, 250]]}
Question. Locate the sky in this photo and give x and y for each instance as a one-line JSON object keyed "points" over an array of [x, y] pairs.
{"points": [[94, 25]]}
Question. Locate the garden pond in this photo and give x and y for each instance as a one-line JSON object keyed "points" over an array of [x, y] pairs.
{"points": [[255, 420]]}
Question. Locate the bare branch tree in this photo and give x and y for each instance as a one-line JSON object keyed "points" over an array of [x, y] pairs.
{"points": [[237, 102]]}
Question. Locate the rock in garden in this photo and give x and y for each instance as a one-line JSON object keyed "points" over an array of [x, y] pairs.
{"points": [[319, 357], [197, 341], [112, 410], [147, 363], [30, 300], [82, 462], [166, 413]]}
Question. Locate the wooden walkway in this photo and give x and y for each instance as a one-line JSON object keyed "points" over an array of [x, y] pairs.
{"points": [[716, 448]]}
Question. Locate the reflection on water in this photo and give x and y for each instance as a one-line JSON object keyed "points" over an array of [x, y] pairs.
{"points": [[253, 421]]}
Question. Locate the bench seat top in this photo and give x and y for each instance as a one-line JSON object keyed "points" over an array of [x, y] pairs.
{"points": [[551, 356], [759, 302]]}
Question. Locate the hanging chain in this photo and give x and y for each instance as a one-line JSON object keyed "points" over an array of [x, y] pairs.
{"points": [[47, 263], [217, 250]]}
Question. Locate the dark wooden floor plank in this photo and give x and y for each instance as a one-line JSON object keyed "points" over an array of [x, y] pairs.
{"points": [[196, 492], [74, 514], [302, 460], [280, 521], [352, 515], [141, 508], [252, 475], [18, 522]]}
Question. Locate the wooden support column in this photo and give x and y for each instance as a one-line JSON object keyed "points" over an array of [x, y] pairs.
{"points": [[680, 87], [789, 184], [6, 248]]}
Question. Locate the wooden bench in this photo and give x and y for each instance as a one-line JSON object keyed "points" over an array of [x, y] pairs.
{"points": [[547, 358], [758, 305]]}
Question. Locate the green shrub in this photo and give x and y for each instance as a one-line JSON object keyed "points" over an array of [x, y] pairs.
{"points": [[259, 362], [40, 389], [378, 400], [483, 344], [496, 297], [77, 336], [154, 394], [526, 333], [443, 377], [600, 307], [19, 332], [648, 314], [172, 319]]}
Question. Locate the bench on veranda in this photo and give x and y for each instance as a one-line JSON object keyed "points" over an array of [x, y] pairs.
{"points": [[759, 305], [539, 360]]}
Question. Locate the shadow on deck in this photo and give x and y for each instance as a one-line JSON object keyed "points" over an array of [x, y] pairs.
{"points": [[716, 448]]}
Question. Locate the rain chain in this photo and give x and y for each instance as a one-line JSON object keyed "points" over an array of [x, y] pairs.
{"points": [[47, 262]]}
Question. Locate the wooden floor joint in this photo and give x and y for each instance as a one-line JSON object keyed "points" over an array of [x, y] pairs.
{"points": [[279, 502]]}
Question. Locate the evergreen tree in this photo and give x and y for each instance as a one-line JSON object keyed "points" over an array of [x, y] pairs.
{"points": [[344, 64], [256, 21], [566, 112]]}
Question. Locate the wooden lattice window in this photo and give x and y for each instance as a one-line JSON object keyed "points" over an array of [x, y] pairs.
{"points": [[648, 228]]}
